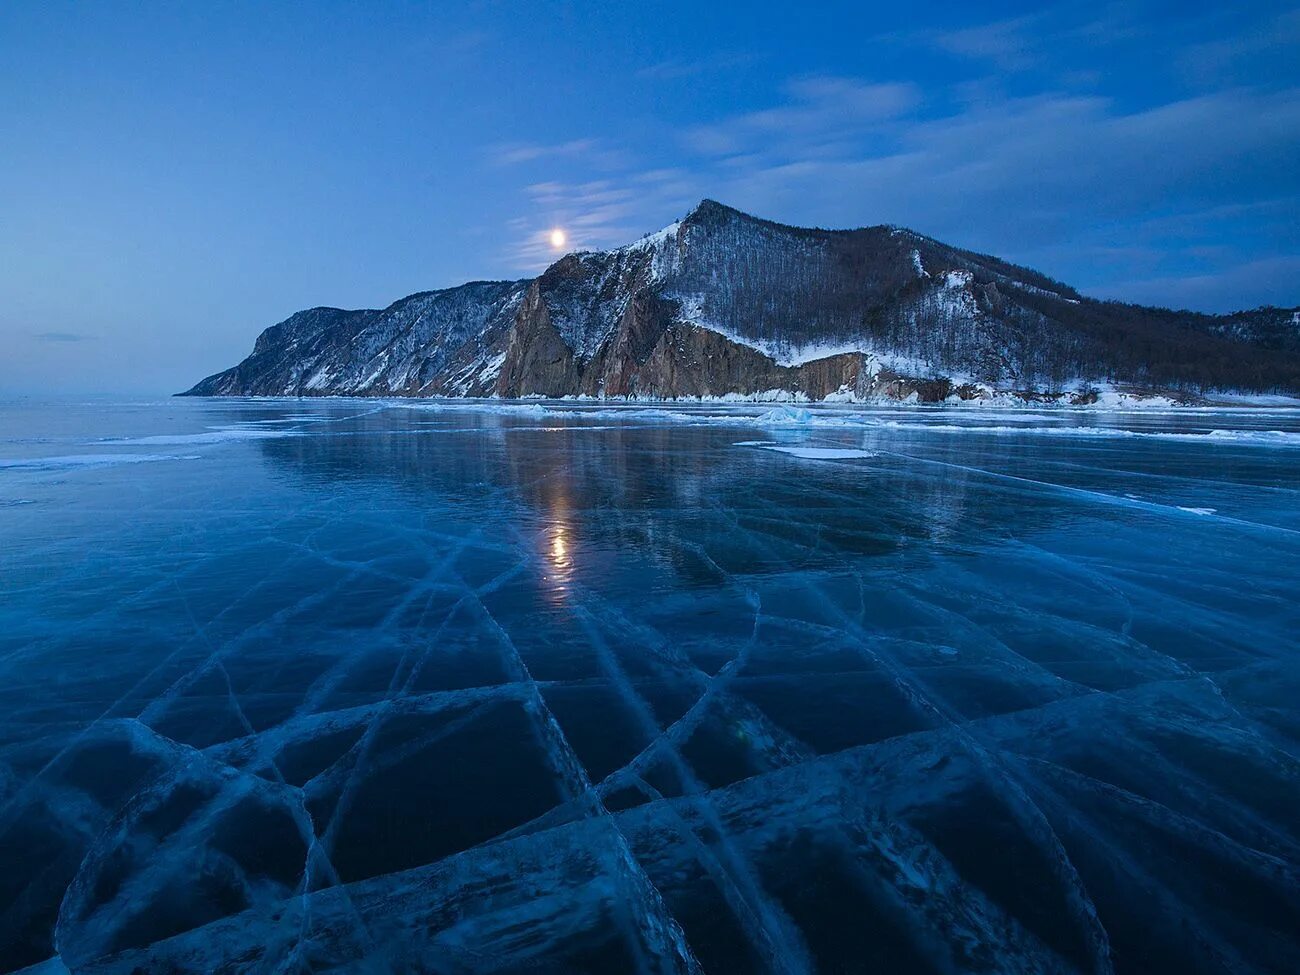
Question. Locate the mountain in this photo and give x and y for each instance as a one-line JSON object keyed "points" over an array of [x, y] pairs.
{"points": [[725, 303]]}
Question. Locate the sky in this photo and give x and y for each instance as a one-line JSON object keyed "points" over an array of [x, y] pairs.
{"points": [[176, 177]]}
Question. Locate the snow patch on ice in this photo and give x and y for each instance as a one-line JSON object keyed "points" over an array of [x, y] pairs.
{"points": [[1109, 397], [1280, 438], [1254, 399], [808, 453], [491, 407], [785, 416], [82, 460], [215, 435]]}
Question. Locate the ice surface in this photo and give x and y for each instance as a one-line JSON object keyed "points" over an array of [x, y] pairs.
{"points": [[579, 687]]}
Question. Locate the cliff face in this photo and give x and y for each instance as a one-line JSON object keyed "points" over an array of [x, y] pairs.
{"points": [[724, 303], [537, 359]]}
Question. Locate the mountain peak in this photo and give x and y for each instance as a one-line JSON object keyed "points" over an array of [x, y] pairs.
{"points": [[708, 209], [711, 211]]}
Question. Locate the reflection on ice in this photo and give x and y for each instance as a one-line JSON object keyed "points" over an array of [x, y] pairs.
{"points": [[560, 565], [557, 536], [557, 688], [559, 549]]}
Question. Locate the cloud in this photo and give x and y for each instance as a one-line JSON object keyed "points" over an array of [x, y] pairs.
{"points": [[583, 153], [514, 153], [1047, 38], [1010, 44], [1227, 56], [673, 70], [61, 337], [1249, 284], [818, 109]]}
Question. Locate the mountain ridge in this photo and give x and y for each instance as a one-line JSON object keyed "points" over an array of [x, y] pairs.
{"points": [[723, 303]]}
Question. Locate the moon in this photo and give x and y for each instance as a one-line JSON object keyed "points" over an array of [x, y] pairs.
{"points": [[558, 238]]}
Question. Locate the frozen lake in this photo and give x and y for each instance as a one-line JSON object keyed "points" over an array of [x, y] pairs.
{"points": [[343, 685]]}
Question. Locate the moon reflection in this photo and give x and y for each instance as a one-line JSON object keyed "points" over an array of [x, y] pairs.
{"points": [[557, 549]]}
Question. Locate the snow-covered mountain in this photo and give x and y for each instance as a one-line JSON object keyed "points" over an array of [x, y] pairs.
{"points": [[724, 303], [435, 342]]}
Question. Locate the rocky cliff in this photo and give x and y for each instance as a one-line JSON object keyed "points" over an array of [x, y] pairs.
{"points": [[725, 303]]}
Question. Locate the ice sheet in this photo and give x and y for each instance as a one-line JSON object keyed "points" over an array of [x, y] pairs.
{"points": [[576, 687]]}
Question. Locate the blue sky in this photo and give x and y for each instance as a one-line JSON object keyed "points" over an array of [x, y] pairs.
{"points": [[173, 178]]}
